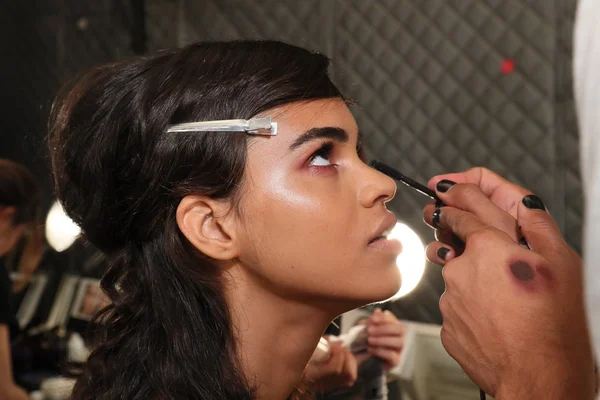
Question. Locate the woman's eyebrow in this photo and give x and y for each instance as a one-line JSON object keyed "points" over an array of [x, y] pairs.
{"points": [[329, 132]]}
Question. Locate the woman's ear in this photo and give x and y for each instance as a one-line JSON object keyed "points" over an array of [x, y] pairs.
{"points": [[209, 226]]}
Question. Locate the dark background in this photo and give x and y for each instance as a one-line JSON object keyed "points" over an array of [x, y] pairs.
{"points": [[426, 74]]}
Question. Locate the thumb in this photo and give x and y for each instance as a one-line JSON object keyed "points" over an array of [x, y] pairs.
{"points": [[538, 228]]}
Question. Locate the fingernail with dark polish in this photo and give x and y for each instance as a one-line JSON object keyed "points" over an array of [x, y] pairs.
{"points": [[435, 219], [533, 202], [445, 185], [443, 252]]}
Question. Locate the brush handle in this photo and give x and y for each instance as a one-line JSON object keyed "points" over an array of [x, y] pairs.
{"points": [[397, 175]]}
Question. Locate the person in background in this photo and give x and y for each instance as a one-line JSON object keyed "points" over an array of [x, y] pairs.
{"points": [[340, 370], [19, 215]]}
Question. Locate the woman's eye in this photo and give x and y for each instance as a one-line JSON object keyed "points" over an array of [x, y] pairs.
{"points": [[321, 157], [320, 161]]}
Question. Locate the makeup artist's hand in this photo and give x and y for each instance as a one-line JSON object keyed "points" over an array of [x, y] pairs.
{"points": [[386, 337], [339, 370], [514, 318], [503, 193], [483, 193]]}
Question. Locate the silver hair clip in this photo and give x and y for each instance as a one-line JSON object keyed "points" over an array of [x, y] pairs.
{"points": [[253, 126]]}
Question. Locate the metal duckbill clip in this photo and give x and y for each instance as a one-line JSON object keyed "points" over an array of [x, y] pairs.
{"points": [[254, 126]]}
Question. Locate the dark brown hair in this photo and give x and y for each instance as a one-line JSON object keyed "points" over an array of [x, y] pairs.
{"points": [[167, 333]]}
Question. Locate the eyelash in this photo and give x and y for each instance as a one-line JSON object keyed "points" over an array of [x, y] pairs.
{"points": [[324, 151], [360, 150], [327, 148]]}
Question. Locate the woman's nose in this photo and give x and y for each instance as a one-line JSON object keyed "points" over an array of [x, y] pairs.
{"points": [[376, 188]]}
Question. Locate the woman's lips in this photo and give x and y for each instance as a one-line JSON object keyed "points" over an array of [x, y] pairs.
{"points": [[383, 243]]}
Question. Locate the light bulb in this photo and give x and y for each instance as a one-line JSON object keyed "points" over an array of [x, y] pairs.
{"points": [[411, 261], [61, 231]]}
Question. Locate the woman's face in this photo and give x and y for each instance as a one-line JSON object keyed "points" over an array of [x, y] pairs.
{"points": [[9, 234], [312, 212]]}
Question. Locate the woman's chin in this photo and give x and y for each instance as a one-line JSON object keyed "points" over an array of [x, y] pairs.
{"points": [[388, 295], [382, 290]]}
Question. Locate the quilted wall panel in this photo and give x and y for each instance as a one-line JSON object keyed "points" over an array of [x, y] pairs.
{"points": [[428, 76], [27, 89], [307, 23]]}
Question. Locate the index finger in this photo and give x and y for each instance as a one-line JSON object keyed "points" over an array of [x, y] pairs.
{"points": [[505, 194]]}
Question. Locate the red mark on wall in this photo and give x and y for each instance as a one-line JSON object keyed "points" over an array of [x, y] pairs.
{"points": [[508, 67]]}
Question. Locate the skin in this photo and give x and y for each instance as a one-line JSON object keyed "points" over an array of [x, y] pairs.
{"points": [[295, 253], [522, 271], [514, 318]]}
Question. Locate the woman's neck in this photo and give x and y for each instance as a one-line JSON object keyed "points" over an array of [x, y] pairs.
{"points": [[276, 336]]}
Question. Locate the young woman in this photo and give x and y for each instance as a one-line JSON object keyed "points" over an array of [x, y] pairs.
{"points": [[230, 252]]}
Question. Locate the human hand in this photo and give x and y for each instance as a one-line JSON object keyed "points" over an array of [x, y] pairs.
{"points": [[514, 318], [503, 193], [386, 337], [339, 370], [483, 193]]}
